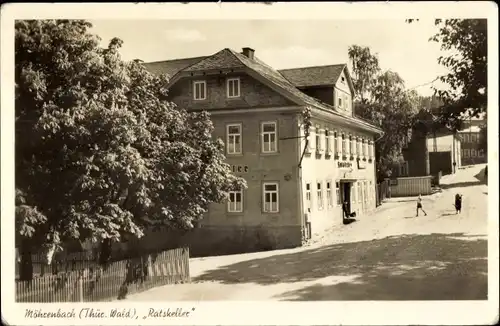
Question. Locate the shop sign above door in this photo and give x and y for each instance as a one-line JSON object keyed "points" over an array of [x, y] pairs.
{"points": [[344, 165]]}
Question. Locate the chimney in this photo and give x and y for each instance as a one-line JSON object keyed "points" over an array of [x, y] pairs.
{"points": [[248, 52]]}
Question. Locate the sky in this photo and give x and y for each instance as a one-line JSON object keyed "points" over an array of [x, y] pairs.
{"points": [[401, 47]]}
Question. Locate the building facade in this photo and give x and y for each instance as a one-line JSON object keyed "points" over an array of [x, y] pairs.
{"points": [[444, 152], [294, 190], [471, 151]]}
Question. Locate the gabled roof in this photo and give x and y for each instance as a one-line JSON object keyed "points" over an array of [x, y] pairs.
{"points": [[227, 59], [171, 67], [314, 76], [223, 59]]}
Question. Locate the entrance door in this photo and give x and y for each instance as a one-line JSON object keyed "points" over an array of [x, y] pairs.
{"points": [[346, 194]]}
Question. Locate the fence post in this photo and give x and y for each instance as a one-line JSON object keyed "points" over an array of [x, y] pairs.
{"points": [[80, 287]]}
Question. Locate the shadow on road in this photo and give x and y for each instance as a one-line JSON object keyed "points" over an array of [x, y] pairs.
{"points": [[408, 267], [462, 184], [348, 221]]}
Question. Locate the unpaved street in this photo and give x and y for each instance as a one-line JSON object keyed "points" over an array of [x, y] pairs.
{"points": [[390, 255]]}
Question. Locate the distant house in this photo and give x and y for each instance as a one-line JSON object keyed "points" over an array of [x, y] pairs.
{"points": [[444, 151], [470, 135], [294, 190], [431, 148]]}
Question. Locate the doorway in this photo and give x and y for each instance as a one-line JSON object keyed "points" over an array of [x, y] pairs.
{"points": [[346, 194]]}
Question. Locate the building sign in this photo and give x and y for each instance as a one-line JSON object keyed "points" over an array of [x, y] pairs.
{"points": [[361, 165], [239, 168], [344, 164]]}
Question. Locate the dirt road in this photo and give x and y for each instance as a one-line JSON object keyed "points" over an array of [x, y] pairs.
{"points": [[390, 255]]}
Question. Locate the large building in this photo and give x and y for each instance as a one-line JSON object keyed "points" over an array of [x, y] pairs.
{"points": [[293, 191]]}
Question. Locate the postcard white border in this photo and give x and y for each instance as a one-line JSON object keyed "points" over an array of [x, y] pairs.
{"points": [[257, 313]]}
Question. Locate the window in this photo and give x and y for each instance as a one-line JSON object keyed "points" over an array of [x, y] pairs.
{"points": [[327, 141], [319, 195], [403, 169], [234, 139], [473, 138], [353, 193], [466, 138], [340, 103], [466, 152], [308, 197], [358, 146], [319, 145], [200, 90], [367, 194], [371, 192], [343, 80], [271, 198], [346, 106], [235, 204], [269, 142], [360, 192], [311, 140], [352, 141], [473, 152], [364, 147], [337, 192], [343, 144], [481, 153], [233, 87], [338, 143], [329, 198]]}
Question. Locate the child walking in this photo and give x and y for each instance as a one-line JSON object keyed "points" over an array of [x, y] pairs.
{"points": [[419, 205]]}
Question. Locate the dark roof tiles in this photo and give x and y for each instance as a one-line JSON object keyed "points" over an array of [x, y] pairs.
{"points": [[313, 76], [171, 67], [223, 59]]}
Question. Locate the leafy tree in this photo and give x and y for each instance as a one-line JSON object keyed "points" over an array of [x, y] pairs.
{"points": [[466, 39], [100, 152], [364, 69], [383, 100]]}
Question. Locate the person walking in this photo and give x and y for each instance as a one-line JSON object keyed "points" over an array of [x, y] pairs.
{"points": [[458, 203], [345, 210], [419, 205]]}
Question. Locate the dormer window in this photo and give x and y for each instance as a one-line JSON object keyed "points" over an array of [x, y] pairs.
{"points": [[233, 87], [199, 90]]}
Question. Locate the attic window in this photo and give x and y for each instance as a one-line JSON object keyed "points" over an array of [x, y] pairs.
{"points": [[343, 80]]}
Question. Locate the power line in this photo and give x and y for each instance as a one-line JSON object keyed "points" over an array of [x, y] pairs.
{"points": [[425, 84]]}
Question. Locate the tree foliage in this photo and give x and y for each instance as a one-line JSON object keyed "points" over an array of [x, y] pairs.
{"points": [[364, 66], [383, 100], [100, 152], [465, 41]]}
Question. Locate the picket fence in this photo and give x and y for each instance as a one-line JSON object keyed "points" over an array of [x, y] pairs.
{"points": [[80, 279]]}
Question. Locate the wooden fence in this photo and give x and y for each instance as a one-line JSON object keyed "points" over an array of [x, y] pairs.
{"points": [[412, 186], [79, 279]]}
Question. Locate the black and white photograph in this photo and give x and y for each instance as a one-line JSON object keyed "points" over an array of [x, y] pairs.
{"points": [[248, 158]]}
